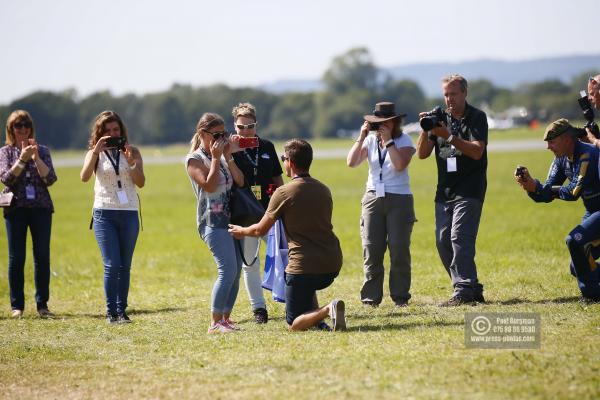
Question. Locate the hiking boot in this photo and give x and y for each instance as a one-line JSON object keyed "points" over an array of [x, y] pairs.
{"points": [[337, 314], [456, 301], [479, 298], [112, 318], [124, 318], [261, 316]]}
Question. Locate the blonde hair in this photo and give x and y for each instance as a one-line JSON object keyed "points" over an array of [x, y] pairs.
{"points": [[207, 120], [244, 110], [456, 78], [13, 118], [99, 124]]}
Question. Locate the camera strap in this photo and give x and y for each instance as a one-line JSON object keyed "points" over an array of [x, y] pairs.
{"points": [[381, 161], [115, 164]]}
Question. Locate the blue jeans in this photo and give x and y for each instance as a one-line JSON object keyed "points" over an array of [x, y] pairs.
{"points": [[229, 264], [39, 221], [116, 233], [583, 245]]}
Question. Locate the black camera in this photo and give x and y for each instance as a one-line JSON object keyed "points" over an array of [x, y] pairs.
{"points": [[433, 118], [520, 171], [374, 126], [588, 114], [116, 142]]}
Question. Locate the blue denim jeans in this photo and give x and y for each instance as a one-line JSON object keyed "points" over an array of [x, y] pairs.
{"points": [[116, 233], [229, 264], [39, 222]]}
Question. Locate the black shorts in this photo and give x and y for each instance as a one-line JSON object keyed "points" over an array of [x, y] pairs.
{"points": [[300, 292]]}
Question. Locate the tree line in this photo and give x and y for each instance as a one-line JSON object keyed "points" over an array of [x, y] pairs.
{"points": [[351, 86]]}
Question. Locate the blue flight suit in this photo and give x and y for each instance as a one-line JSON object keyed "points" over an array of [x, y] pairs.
{"points": [[583, 241]]}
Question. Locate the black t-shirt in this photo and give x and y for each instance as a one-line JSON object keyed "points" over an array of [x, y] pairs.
{"points": [[267, 167], [469, 180]]}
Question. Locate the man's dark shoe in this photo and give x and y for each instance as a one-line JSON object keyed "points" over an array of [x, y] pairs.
{"points": [[479, 298], [123, 318], [112, 318], [45, 313], [456, 301], [322, 326], [589, 300], [261, 316], [401, 303]]}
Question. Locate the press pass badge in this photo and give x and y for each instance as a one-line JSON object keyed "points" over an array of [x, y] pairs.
{"points": [[380, 189], [122, 197], [30, 192], [451, 164], [257, 192]]}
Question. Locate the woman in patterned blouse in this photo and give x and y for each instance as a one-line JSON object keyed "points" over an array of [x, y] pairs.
{"points": [[26, 170]]}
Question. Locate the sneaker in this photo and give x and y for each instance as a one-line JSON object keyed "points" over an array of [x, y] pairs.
{"points": [[218, 327], [479, 298], [124, 318], [336, 312], [369, 303], [231, 324], [456, 301], [17, 314], [261, 316], [322, 326], [112, 318], [45, 313]]}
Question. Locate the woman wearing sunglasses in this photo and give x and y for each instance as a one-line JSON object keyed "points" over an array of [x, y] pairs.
{"points": [[263, 174], [118, 168], [212, 172], [26, 170]]}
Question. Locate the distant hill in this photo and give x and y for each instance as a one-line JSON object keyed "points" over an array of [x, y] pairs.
{"points": [[509, 74]]}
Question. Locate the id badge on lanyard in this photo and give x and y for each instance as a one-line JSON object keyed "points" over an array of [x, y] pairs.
{"points": [[29, 188], [380, 186], [121, 194]]}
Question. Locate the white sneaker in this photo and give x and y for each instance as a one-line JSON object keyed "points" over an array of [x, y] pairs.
{"points": [[337, 314], [219, 327]]}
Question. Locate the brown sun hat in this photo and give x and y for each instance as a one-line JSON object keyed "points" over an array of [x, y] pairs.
{"points": [[383, 111]]}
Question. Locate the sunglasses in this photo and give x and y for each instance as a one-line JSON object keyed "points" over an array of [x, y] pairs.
{"points": [[246, 126], [21, 125], [284, 158], [217, 135]]}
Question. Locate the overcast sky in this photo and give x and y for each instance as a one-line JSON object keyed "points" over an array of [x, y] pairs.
{"points": [[145, 46]]}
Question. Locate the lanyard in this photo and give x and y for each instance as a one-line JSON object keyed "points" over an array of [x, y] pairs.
{"points": [[223, 170], [381, 161], [254, 163], [115, 165], [301, 176]]}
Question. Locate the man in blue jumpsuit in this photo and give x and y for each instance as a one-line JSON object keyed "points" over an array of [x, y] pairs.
{"points": [[577, 162]]}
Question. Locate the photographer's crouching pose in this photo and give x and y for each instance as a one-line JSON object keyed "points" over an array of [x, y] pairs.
{"points": [[315, 257], [577, 162]]}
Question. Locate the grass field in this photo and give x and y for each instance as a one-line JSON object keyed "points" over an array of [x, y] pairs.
{"points": [[417, 352]]}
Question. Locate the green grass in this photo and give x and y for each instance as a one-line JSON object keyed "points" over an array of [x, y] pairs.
{"points": [[416, 352]]}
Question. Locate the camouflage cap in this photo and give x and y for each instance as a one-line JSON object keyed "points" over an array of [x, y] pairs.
{"points": [[557, 128]]}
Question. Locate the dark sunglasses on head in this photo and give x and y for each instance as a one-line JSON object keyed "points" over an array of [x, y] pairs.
{"points": [[284, 158], [21, 125], [246, 126]]}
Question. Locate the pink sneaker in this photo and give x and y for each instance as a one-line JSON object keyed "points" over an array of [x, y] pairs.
{"points": [[219, 327], [231, 325]]}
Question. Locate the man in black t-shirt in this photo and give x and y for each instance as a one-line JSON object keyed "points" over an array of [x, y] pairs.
{"points": [[263, 174], [460, 142]]}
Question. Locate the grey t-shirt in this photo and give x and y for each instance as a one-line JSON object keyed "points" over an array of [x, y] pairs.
{"points": [[212, 207]]}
